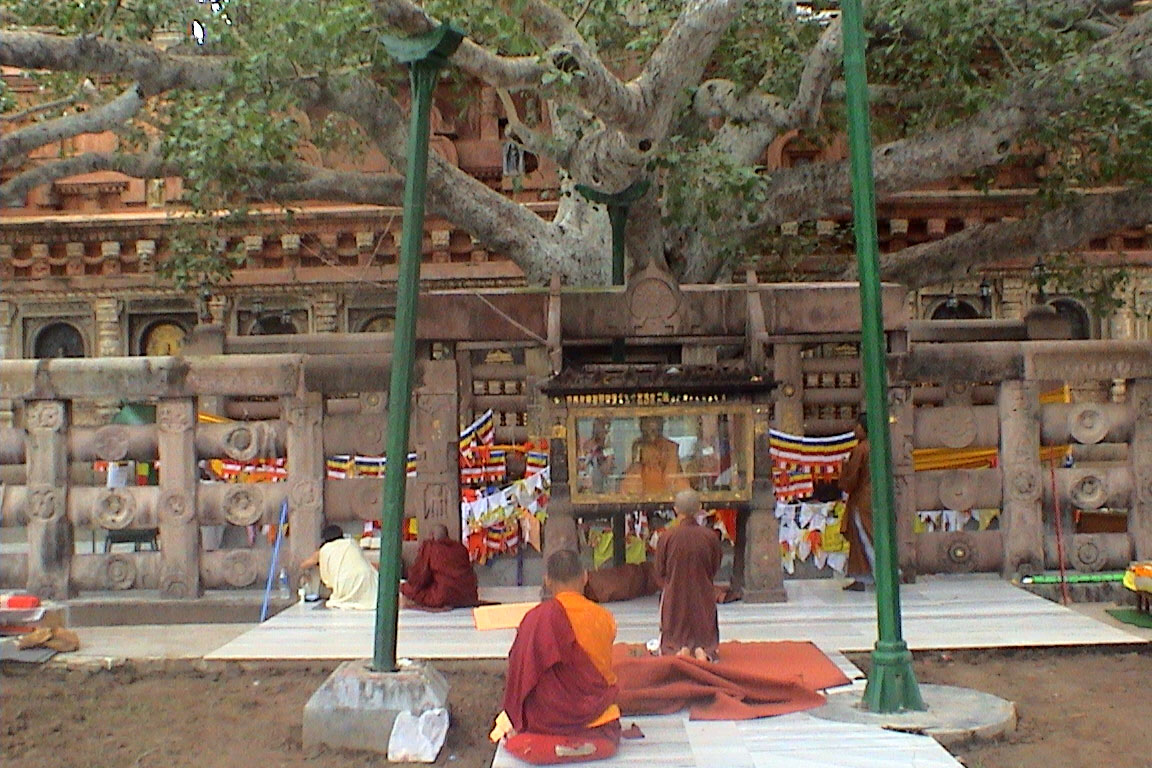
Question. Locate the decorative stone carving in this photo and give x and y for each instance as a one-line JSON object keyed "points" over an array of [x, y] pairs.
{"points": [[114, 509], [45, 503], [960, 553], [957, 490], [1088, 423], [1025, 485], [246, 441], [243, 504], [654, 302], [173, 417], [240, 568], [958, 426], [111, 442], [176, 507], [1088, 556], [119, 572], [46, 415], [173, 585], [436, 507], [305, 493], [301, 416], [1089, 492]]}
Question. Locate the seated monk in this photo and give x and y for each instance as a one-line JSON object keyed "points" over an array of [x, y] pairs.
{"points": [[345, 570], [442, 576], [655, 467], [560, 694]]}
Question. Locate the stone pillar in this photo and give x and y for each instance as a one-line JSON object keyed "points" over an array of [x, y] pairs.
{"points": [[325, 308], [539, 368], [305, 444], [435, 496], [902, 414], [179, 479], [763, 577], [1140, 462], [1023, 521], [50, 535], [109, 329], [109, 343], [10, 346], [1015, 299], [218, 306], [560, 530], [786, 370]]}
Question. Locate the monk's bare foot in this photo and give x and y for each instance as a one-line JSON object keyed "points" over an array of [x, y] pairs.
{"points": [[684, 653], [701, 655]]}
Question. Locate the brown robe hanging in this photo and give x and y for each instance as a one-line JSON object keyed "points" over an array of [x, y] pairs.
{"points": [[687, 558]]}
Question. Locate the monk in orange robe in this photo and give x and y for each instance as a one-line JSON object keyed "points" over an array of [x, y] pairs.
{"points": [[442, 576], [856, 525], [560, 694]]}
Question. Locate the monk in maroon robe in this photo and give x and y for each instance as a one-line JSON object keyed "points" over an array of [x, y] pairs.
{"points": [[687, 558], [442, 576], [560, 693]]}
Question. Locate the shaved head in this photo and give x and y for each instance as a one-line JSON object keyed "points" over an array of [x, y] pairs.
{"points": [[563, 571], [439, 532], [687, 503]]}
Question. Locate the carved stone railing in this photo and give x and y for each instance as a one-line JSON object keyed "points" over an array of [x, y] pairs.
{"points": [[301, 386], [1110, 443]]}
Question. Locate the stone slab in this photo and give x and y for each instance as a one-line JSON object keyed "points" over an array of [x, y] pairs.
{"points": [[356, 707], [953, 716]]}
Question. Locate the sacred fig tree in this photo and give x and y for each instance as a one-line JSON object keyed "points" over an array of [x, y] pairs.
{"points": [[684, 95]]}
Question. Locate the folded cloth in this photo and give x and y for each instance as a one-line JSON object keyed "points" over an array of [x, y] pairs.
{"points": [[57, 639], [749, 680]]}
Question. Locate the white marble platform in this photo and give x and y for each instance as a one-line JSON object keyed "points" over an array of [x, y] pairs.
{"points": [[943, 612], [788, 741]]}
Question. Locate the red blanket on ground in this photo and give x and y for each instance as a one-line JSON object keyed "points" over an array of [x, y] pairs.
{"points": [[750, 680]]}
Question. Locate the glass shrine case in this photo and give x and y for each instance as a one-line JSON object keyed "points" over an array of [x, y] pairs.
{"points": [[651, 453]]}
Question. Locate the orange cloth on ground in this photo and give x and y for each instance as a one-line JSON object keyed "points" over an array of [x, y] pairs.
{"points": [[595, 630], [749, 680]]}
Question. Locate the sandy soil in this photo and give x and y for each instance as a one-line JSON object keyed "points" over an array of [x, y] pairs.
{"points": [[1077, 709]]}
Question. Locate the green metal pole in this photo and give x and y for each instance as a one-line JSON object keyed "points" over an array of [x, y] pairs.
{"points": [[425, 56], [892, 684]]}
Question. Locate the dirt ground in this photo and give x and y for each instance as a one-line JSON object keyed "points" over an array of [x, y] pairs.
{"points": [[1077, 709]]}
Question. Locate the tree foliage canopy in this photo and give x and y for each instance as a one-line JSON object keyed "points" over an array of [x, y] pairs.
{"points": [[686, 94]]}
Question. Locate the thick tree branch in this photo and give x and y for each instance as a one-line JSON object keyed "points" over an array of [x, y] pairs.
{"points": [[501, 224], [155, 71], [310, 183], [679, 61], [820, 67], [512, 72], [106, 117], [85, 89], [142, 166], [955, 257], [982, 141]]}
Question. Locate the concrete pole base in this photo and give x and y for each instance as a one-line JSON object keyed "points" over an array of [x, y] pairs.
{"points": [[954, 715], [356, 707]]}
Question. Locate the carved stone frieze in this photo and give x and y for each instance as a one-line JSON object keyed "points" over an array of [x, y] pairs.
{"points": [[243, 504], [44, 414], [173, 417], [111, 442], [119, 572], [114, 509]]}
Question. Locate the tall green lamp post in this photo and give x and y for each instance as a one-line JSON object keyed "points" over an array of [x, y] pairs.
{"points": [[425, 56], [892, 684]]}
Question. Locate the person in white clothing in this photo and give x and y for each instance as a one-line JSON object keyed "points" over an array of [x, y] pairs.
{"points": [[344, 570]]}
